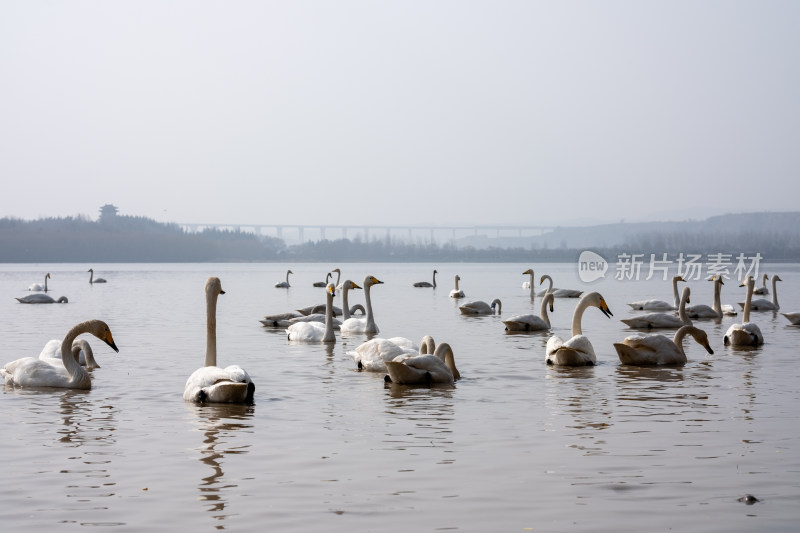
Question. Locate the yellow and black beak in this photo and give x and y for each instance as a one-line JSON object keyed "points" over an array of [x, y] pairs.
{"points": [[604, 308], [108, 339]]}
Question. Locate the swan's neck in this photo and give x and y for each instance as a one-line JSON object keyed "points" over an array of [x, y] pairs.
{"points": [[682, 309], [775, 291], [543, 311], [749, 299], [73, 367], [211, 329], [345, 305], [533, 287], [456, 282], [549, 283], [370, 318], [675, 298], [287, 278], [329, 335], [434, 279], [577, 316], [678, 339], [718, 297], [338, 277], [45, 284], [91, 276], [445, 353]]}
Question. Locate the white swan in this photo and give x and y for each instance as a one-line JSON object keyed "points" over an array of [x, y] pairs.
{"points": [[457, 293], [479, 307], [558, 293], [701, 311], [662, 320], [794, 318], [529, 284], [210, 383], [763, 288], [427, 283], [91, 277], [38, 287], [652, 350], [367, 324], [41, 299], [660, 305], [338, 278], [284, 284], [66, 373], [531, 322], [346, 309], [372, 355], [747, 333], [328, 276], [316, 331], [577, 351], [438, 367], [81, 351], [763, 304]]}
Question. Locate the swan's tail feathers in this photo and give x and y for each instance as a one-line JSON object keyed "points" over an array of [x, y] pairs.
{"points": [[627, 355]]}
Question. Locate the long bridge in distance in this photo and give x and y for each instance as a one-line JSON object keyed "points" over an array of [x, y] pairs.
{"points": [[315, 232]]}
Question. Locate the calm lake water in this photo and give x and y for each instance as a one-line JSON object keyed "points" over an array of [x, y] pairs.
{"points": [[513, 446]]}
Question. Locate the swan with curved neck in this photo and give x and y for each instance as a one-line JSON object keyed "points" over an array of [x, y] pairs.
{"points": [[577, 351], [91, 277], [701, 311], [659, 350], [38, 287], [480, 307], [456, 292], [346, 287], [660, 305], [64, 373], [439, 367], [763, 288], [41, 299], [328, 276], [372, 355], [284, 284], [762, 304], [531, 322], [210, 383], [367, 324], [316, 331], [662, 320], [747, 333], [81, 351], [558, 293], [338, 278], [427, 283]]}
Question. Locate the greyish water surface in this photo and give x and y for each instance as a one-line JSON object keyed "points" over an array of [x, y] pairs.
{"points": [[513, 446]]}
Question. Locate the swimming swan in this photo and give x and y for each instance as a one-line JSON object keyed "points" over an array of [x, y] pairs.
{"points": [[363, 325], [763, 304], [662, 320], [91, 277], [427, 283], [38, 287], [280, 320], [457, 293], [652, 350], [794, 318], [438, 367], [529, 284], [558, 293], [531, 322], [747, 333], [323, 283], [41, 299], [346, 309], [763, 288], [66, 373], [660, 305], [577, 351], [372, 355], [81, 351], [284, 284], [480, 307], [210, 383], [316, 331]]}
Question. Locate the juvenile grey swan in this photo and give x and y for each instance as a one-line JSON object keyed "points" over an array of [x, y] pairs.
{"points": [[91, 277], [41, 299], [427, 283], [284, 284]]}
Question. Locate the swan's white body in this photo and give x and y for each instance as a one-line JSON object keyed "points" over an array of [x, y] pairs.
{"points": [[60, 373], [558, 293], [794, 318], [373, 354], [91, 277], [659, 350], [313, 330], [210, 383], [456, 292], [531, 322], [662, 320], [660, 305], [747, 333], [438, 367], [427, 283], [702, 311], [480, 307], [38, 287], [284, 284], [366, 324], [762, 304], [41, 299], [763, 288], [81, 351], [577, 351]]}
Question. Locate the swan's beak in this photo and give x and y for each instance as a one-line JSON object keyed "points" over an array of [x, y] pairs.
{"points": [[708, 348], [551, 305], [376, 280], [604, 308], [355, 286], [221, 291], [110, 341]]}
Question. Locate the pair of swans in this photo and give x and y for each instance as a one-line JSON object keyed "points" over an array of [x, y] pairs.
{"points": [[64, 372], [662, 320], [81, 351], [41, 299], [372, 355], [364, 324], [479, 307], [747, 333], [763, 304], [315, 331], [427, 283], [660, 305], [39, 287], [658, 350], [329, 276], [210, 383], [558, 293], [577, 351], [456, 292], [91, 277], [763, 288], [702, 311], [424, 369], [531, 322]]}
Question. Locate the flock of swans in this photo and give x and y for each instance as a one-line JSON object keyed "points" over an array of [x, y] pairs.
{"points": [[64, 363], [37, 288]]}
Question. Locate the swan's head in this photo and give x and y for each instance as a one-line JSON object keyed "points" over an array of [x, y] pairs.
{"points": [[544, 277], [775, 277], [678, 278], [90, 270], [331, 290], [529, 271], [336, 270], [289, 272], [701, 337], [100, 329], [685, 295], [62, 300], [716, 279], [46, 276], [214, 286], [748, 280], [371, 280], [596, 299], [548, 300]]}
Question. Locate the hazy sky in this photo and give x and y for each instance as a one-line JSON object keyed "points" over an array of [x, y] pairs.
{"points": [[399, 112]]}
